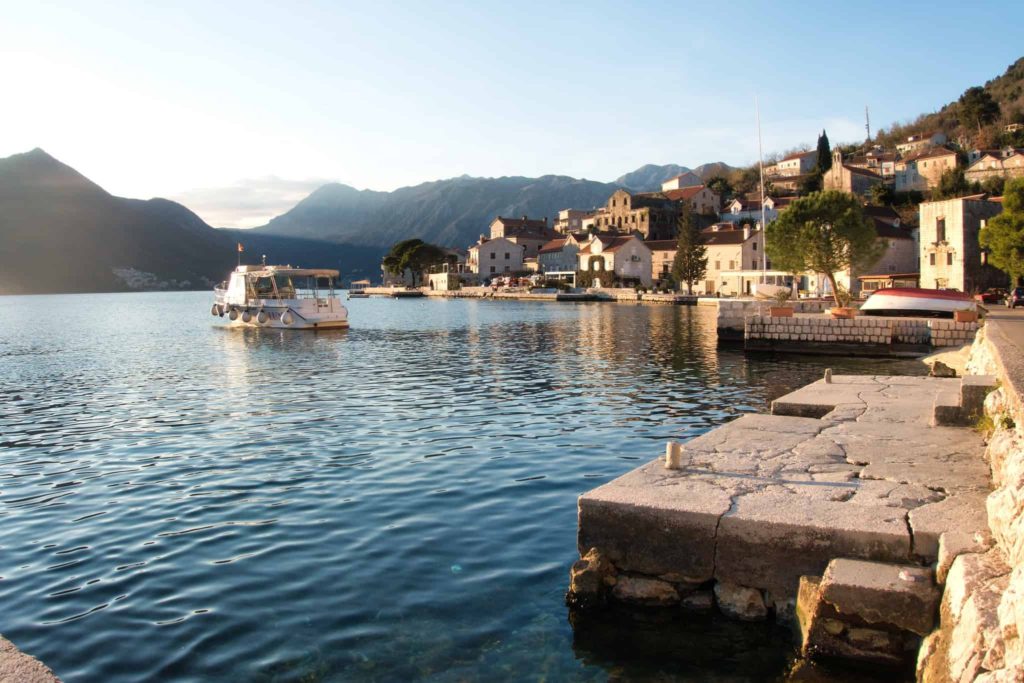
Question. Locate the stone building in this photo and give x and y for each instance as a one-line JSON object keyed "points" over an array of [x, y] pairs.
{"points": [[559, 255], [950, 256], [877, 160], [701, 199], [923, 169], [799, 163], [918, 142], [530, 233], [850, 179], [571, 220], [499, 256], [649, 214], [1008, 163]]}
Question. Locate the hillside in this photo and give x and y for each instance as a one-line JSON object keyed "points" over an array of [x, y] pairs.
{"points": [[1008, 92], [451, 212], [60, 232]]}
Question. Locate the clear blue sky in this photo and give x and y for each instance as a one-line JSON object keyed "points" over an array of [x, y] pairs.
{"points": [[239, 108]]}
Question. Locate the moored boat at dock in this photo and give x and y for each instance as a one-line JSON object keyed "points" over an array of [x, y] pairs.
{"points": [[917, 302], [281, 297], [357, 289]]}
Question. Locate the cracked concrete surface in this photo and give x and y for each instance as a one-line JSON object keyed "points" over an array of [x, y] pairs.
{"points": [[768, 498]]}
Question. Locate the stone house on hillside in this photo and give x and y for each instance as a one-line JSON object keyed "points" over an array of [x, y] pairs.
{"points": [[499, 256], [917, 142], [571, 220], [559, 255], [997, 164], [923, 169], [530, 233], [877, 160], [850, 179], [950, 255], [650, 214], [626, 256], [701, 199], [688, 179], [799, 163]]}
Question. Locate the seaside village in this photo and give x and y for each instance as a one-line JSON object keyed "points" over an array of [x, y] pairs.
{"points": [[631, 240]]}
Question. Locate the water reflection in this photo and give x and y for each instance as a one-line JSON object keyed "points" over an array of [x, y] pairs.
{"points": [[395, 501]]}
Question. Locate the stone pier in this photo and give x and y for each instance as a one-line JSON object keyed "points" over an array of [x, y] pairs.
{"points": [[18, 667], [849, 468]]}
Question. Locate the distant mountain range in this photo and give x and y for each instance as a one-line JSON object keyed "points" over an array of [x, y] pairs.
{"points": [[61, 232], [456, 211]]}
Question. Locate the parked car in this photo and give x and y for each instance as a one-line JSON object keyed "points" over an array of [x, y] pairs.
{"points": [[990, 297], [1015, 298]]}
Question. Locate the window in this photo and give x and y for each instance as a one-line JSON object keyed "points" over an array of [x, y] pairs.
{"points": [[493, 256], [753, 264], [506, 256], [732, 265], [718, 265], [508, 269], [492, 269], [931, 259], [753, 245], [949, 258], [940, 230]]}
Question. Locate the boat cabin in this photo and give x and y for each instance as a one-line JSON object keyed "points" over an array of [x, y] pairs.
{"points": [[250, 285]]}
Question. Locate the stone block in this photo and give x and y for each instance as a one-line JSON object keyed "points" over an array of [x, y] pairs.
{"points": [[897, 596], [645, 591], [740, 602]]}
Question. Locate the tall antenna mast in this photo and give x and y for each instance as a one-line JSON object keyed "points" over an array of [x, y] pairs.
{"points": [[867, 122], [760, 168]]}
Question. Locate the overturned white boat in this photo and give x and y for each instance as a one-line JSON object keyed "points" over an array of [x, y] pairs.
{"points": [[916, 302], [282, 297]]}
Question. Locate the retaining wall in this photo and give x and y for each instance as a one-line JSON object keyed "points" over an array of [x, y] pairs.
{"points": [[872, 334], [981, 634]]}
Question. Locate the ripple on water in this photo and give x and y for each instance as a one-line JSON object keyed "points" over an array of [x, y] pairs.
{"points": [[392, 502]]}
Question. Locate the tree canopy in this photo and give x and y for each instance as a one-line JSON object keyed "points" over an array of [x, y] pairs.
{"points": [[414, 255], [721, 186], [691, 260], [976, 107], [824, 232], [952, 184], [1003, 235]]}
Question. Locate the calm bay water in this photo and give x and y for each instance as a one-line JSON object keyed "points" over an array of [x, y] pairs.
{"points": [[393, 502]]}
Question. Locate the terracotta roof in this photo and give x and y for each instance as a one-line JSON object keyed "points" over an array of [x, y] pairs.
{"points": [[929, 153], [553, 245], [862, 171], [886, 229], [799, 155], [616, 243], [683, 193], [662, 245], [726, 237]]}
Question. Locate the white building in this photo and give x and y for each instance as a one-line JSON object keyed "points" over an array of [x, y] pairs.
{"points": [[688, 179], [625, 256], [500, 256]]}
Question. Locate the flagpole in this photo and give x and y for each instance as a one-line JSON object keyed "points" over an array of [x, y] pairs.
{"points": [[760, 167]]}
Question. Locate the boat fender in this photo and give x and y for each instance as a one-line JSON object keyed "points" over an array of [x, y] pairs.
{"points": [[215, 310], [262, 317], [233, 315], [287, 318], [246, 317]]}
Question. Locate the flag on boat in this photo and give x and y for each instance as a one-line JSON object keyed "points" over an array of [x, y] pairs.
{"points": [[240, 248]]}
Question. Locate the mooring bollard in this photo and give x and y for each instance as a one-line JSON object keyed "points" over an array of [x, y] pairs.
{"points": [[828, 375], [673, 455]]}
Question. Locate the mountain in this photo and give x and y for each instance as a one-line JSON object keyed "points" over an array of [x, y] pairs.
{"points": [[649, 178], [451, 212], [61, 232]]}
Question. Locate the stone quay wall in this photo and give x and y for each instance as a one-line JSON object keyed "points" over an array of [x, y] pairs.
{"points": [[761, 331], [733, 313], [981, 634]]}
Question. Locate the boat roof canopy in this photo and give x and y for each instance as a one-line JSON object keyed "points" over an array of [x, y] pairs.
{"points": [[267, 271]]}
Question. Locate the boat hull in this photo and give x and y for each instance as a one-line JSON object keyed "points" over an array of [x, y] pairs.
{"points": [[917, 303]]}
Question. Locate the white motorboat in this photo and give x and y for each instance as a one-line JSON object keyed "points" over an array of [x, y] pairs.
{"points": [[915, 302], [357, 290], [281, 297]]}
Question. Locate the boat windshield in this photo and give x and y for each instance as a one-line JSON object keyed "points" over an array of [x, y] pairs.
{"points": [[280, 286]]}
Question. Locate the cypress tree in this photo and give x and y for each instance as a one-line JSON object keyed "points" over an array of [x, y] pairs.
{"points": [[824, 153], [691, 261]]}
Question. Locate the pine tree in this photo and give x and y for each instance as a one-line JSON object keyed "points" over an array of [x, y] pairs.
{"points": [[691, 261], [824, 153]]}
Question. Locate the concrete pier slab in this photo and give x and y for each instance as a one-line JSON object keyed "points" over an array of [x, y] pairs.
{"points": [[852, 468]]}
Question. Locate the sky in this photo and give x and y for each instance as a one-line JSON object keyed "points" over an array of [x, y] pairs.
{"points": [[240, 109]]}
